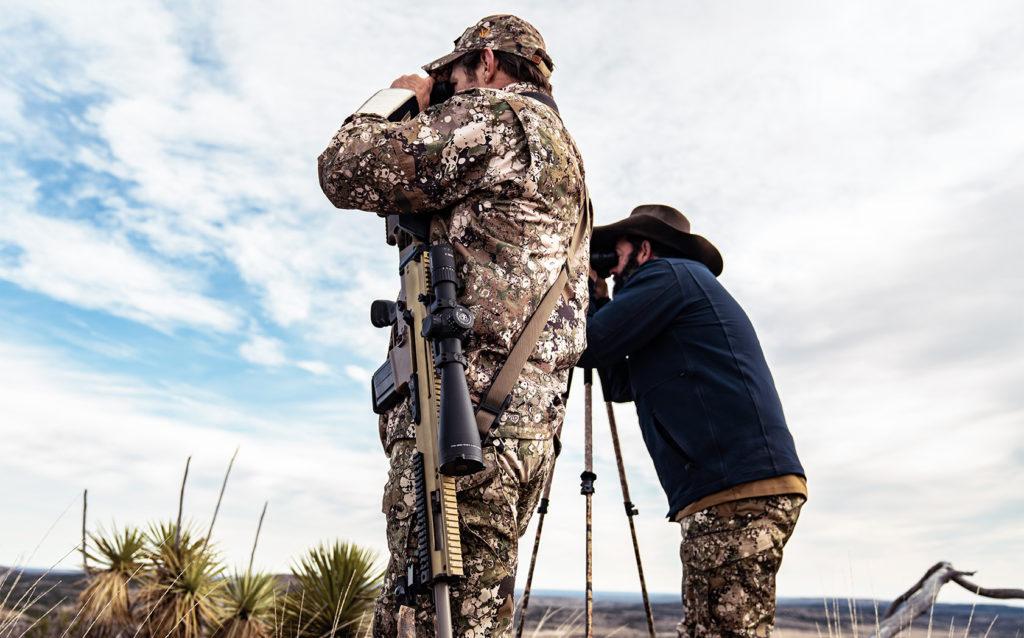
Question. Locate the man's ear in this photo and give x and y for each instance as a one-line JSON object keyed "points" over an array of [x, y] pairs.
{"points": [[490, 66], [646, 252]]}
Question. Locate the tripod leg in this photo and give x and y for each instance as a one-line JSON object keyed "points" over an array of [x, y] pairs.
{"points": [[542, 511], [587, 478], [631, 511]]}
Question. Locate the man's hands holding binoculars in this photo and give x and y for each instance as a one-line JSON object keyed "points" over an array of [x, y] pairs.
{"points": [[419, 85]]}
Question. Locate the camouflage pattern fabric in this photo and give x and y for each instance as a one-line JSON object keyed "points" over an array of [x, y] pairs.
{"points": [[495, 506], [504, 182], [507, 33], [731, 553]]}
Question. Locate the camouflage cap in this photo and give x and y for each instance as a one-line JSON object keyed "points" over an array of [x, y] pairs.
{"points": [[506, 33]]}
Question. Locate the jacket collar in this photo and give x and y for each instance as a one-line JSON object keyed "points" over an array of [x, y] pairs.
{"points": [[522, 87]]}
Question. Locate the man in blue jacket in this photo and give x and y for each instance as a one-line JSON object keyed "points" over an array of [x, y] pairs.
{"points": [[709, 414]]}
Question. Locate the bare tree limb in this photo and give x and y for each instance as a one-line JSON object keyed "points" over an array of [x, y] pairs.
{"points": [[921, 597], [902, 598], [1004, 594], [915, 601]]}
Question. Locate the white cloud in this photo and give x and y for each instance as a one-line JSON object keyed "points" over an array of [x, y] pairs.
{"points": [[79, 264], [66, 429], [358, 373], [264, 351], [270, 352], [318, 368], [227, 170]]}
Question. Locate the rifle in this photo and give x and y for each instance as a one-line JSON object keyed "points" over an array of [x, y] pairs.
{"points": [[426, 367]]}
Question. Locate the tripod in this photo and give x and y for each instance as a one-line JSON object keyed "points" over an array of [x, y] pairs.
{"points": [[587, 479]]}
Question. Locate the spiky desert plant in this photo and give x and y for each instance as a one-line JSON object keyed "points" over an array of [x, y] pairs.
{"points": [[247, 606], [106, 600], [335, 588], [179, 587]]}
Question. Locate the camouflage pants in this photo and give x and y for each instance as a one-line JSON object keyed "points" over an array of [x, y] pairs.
{"points": [[495, 506], [731, 554]]}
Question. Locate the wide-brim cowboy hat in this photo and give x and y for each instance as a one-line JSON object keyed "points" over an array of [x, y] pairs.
{"points": [[662, 225]]}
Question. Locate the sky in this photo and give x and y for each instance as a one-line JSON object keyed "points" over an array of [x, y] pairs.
{"points": [[173, 283]]}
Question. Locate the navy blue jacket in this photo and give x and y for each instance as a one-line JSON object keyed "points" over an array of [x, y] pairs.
{"points": [[706, 401]]}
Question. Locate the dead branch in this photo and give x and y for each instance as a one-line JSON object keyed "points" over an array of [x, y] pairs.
{"points": [[921, 597], [1004, 594]]}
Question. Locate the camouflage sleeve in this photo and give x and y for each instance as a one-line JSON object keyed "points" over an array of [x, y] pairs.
{"points": [[427, 163]]}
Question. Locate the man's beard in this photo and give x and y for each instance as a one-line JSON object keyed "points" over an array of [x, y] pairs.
{"points": [[627, 271]]}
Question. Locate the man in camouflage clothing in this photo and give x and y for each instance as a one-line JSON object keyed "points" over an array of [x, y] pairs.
{"points": [[503, 182]]}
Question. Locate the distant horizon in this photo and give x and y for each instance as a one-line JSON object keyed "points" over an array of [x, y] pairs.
{"points": [[628, 596]]}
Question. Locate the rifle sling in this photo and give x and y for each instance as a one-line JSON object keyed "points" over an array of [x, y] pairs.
{"points": [[500, 393]]}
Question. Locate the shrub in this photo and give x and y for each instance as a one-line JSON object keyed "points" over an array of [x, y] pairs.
{"points": [[105, 602], [180, 583], [335, 589]]}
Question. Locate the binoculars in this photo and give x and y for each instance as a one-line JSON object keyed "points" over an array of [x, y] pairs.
{"points": [[602, 263], [441, 91]]}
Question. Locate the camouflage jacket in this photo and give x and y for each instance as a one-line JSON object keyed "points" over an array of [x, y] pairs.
{"points": [[504, 181]]}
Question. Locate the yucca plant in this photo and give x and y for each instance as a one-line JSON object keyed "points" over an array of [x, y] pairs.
{"points": [[247, 606], [335, 586], [180, 584], [106, 601]]}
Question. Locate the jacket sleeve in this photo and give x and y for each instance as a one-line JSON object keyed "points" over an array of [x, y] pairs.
{"points": [[471, 142], [616, 385], [642, 309]]}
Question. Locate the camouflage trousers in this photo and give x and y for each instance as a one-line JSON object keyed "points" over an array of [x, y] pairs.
{"points": [[731, 553], [495, 507]]}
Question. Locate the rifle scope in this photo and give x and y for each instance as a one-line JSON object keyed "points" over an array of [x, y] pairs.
{"points": [[458, 439]]}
